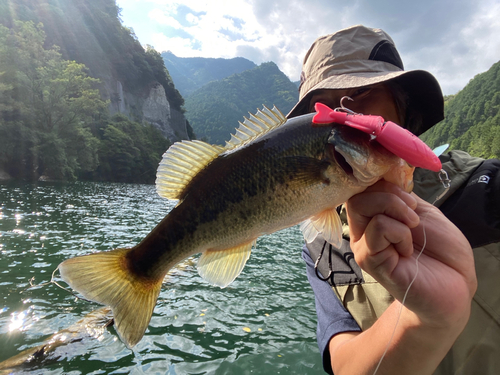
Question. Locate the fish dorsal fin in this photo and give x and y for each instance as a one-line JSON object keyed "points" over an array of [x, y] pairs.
{"points": [[180, 163], [221, 267], [255, 126], [185, 159], [327, 223]]}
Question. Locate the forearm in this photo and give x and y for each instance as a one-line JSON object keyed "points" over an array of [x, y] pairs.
{"points": [[415, 348]]}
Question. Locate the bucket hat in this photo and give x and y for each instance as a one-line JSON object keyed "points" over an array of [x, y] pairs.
{"points": [[360, 56]]}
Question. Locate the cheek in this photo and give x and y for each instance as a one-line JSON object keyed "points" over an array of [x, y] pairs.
{"points": [[390, 113], [374, 106]]}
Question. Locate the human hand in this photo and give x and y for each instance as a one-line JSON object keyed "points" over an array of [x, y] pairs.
{"points": [[388, 228]]}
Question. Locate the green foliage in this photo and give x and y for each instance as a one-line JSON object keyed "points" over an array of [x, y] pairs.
{"points": [[214, 110], [161, 74], [90, 32], [54, 124], [46, 132], [129, 151], [472, 117], [8, 106]]}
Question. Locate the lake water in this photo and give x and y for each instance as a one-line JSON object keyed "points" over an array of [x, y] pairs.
{"points": [[263, 323]]}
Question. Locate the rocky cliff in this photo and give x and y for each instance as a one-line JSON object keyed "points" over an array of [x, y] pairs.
{"points": [[133, 78], [153, 107]]}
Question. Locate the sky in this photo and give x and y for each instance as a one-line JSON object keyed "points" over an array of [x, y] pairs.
{"points": [[452, 39]]}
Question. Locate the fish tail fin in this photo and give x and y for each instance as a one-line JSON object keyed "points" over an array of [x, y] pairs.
{"points": [[104, 278]]}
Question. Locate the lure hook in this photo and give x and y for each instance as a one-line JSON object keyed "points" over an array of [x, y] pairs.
{"points": [[343, 108]]}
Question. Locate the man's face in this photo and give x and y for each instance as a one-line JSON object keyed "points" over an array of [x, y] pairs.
{"points": [[372, 100]]}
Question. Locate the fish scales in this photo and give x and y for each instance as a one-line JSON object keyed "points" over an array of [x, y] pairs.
{"points": [[284, 172], [244, 190]]}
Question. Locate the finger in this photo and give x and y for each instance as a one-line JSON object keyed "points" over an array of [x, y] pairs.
{"points": [[383, 244], [363, 207], [383, 232], [387, 187], [452, 249]]}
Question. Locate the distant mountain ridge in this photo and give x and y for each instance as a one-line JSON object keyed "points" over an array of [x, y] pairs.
{"points": [[215, 109], [472, 116], [191, 73]]}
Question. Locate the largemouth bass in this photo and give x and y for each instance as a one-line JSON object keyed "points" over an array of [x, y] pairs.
{"points": [[273, 173]]}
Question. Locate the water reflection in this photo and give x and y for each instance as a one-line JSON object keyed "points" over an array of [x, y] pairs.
{"points": [[264, 322], [17, 321]]}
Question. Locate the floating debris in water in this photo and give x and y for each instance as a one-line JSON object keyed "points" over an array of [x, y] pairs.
{"points": [[92, 325]]}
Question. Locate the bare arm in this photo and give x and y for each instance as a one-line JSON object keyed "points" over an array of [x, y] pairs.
{"points": [[386, 236]]}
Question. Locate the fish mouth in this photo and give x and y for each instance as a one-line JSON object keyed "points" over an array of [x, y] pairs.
{"points": [[343, 163], [354, 166], [353, 154]]}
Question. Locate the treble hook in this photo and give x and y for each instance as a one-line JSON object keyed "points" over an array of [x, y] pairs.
{"points": [[344, 108]]}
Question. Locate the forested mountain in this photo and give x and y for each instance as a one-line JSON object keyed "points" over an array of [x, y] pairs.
{"points": [[472, 117], [65, 68], [78, 93], [215, 109], [90, 33], [191, 73]]}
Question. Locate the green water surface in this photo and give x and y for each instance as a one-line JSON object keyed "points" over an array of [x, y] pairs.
{"points": [[263, 323]]}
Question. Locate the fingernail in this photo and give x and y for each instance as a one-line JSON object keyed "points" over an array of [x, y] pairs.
{"points": [[413, 217], [409, 200]]}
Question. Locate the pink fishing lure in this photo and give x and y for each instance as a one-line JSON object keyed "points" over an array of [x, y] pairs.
{"points": [[393, 137]]}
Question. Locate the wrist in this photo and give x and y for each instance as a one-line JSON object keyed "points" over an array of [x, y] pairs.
{"points": [[406, 343], [428, 325]]}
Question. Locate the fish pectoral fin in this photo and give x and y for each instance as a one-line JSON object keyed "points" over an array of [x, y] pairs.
{"points": [[180, 163], [327, 223], [221, 267], [102, 278]]}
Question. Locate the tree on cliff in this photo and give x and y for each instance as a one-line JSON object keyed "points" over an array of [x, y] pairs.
{"points": [[45, 130], [129, 151], [53, 122]]}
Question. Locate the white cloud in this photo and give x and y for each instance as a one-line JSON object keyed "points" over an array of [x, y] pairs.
{"points": [[191, 18], [180, 46], [453, 39], [163, 19]]}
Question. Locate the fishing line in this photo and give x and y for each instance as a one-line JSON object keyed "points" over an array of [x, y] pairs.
{"points": [[53, 281], [443, 177]]}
